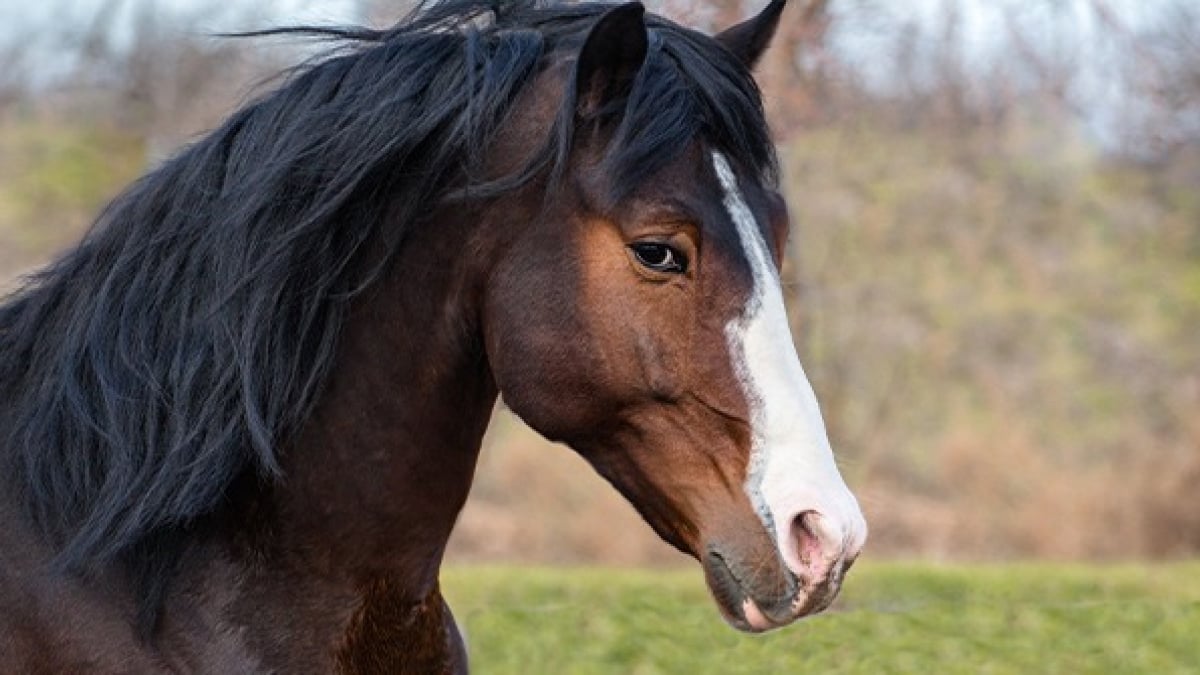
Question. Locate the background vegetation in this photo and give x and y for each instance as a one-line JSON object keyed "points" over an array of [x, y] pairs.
{"points": [[893, 618], [994, 272], [995, 284]]}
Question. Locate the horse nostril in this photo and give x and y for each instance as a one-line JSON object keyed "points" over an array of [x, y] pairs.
{"points": [[815, 547], [808, 545]]}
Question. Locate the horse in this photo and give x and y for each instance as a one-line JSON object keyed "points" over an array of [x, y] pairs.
{"points": [[239, 419]]}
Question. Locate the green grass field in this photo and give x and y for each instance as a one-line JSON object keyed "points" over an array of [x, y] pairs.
{"points": [[892, 618]]}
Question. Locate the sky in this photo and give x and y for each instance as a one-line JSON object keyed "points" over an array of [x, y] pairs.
{"points": [[20, 13], [980, 17], [1063, 24], [869, 27]]}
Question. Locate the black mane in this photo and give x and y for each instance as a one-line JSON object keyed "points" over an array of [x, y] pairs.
{"points": [[175, 349]]}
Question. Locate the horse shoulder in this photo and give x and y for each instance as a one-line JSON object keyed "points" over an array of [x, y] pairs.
{"points": [[54, 623]]}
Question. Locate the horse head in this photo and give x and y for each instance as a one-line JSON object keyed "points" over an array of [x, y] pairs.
{"points": [[638, 316]]}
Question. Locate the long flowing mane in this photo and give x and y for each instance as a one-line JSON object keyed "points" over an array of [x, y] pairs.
{"points": [[175, 349]]}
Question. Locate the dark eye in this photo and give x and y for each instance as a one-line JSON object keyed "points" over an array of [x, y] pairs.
{"points": [[659, 257]]}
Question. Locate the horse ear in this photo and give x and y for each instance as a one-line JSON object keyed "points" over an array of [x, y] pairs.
{"points": [[611, 57], [749, 39]]}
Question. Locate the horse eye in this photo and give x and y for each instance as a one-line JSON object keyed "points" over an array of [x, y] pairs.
{"points": [[659, 257]]}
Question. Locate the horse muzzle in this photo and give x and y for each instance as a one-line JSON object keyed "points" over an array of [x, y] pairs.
{"points": [[763, 591]]}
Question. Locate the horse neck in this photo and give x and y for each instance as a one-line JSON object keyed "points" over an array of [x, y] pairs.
{"points": [[375, 480]]}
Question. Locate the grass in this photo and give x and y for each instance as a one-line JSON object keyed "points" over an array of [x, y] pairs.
{"points": [[892, 618]]}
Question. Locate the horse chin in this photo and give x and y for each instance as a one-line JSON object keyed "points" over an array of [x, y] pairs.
{"points": [[751, 612]]}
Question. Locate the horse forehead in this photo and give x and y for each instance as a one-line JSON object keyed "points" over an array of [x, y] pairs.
{"points": [[733, 210]]}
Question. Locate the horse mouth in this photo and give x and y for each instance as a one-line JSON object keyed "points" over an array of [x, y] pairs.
{"points": [[752, 612]]}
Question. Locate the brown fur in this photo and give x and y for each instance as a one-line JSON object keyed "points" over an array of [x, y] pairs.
{"points": [[370, 645], [337, 570]]}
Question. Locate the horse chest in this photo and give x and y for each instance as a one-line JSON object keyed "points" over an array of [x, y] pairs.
{"points": [[389, 634]]}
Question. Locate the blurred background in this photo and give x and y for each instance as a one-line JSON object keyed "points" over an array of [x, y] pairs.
{"points": [[994, 272]]}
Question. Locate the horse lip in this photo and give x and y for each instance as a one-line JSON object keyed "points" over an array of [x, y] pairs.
{"points": [[736, 601], [726, 590], [745, 612]]}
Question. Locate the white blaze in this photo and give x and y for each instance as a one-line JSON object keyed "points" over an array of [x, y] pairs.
{"points": [[791, 469]]}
